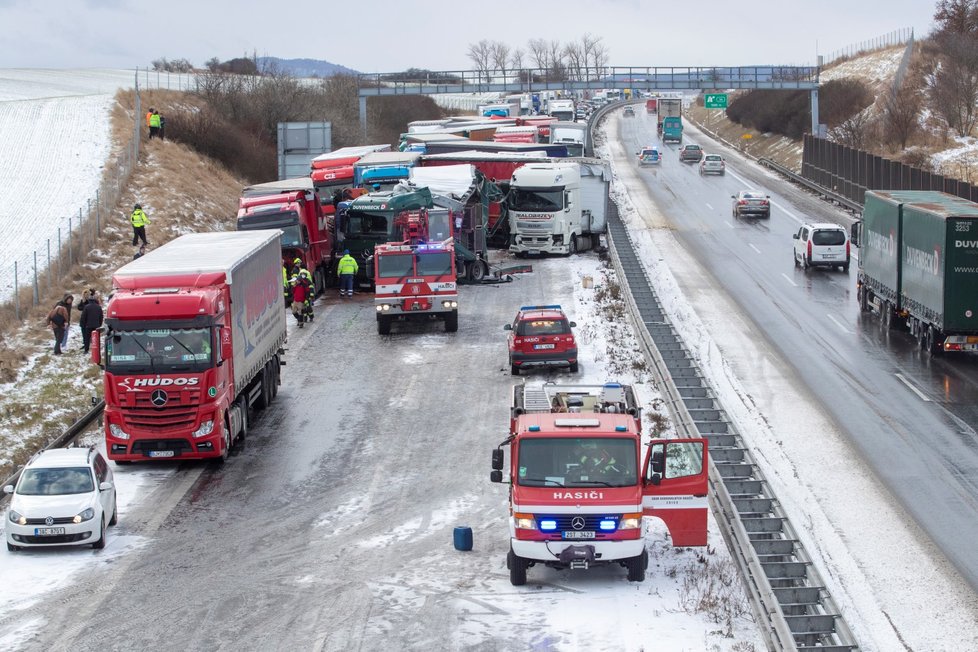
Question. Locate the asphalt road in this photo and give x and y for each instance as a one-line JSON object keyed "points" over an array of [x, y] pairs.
{"points": [[910, 415]]}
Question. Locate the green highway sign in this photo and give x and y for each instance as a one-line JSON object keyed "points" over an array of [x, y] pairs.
{"points": [[715, 100]]}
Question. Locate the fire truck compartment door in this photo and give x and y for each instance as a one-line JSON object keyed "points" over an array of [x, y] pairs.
{"points": [[675, 481]]}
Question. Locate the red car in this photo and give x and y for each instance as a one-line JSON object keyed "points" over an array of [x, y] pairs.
{"points": [[541, 336]]}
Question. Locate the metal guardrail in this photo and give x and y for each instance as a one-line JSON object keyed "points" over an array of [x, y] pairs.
{"points": [[811, 185], [786, 592], [64, 438]]}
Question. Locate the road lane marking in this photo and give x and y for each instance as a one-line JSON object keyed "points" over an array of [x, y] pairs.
{"points": [[912, 388], [788, 279], [838, 323], [708, 206], [751, 245]]}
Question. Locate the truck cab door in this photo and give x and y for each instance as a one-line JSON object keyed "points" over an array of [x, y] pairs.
{"points": [[674, 488]]}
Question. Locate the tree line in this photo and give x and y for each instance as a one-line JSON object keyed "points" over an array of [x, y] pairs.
{"points": [[541, 58]]}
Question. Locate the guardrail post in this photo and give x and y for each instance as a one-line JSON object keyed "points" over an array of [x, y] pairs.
{"points": [[98, 213], [70, 262], [16, 294], [36, 297]]}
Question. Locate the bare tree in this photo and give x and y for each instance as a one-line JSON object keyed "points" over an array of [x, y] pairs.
{"points": [[594, 54], [574, 56], [516, 58], [500, 55], [480, 54], [901, 111], [538, 53], [855, 132], [956, 17], [555, 58]]}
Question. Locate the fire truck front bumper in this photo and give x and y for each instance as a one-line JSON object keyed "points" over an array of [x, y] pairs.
{"points": [[553, 552], [396, 307]]}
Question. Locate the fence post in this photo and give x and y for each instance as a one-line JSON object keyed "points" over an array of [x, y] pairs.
{"points": [[49, 263], [36, 297], [70, 262], [16, 294], [60, 265], [98, 213]]}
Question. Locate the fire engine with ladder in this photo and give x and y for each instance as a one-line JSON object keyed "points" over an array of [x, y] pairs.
{"points": [[415, 278]]}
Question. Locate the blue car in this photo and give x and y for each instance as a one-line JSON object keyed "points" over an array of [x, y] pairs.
{"points": [[649, 156]]}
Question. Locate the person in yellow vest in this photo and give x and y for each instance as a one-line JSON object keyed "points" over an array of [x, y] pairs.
{"points": [[346, 269], [149, 114], [139, 221], [154, 124]]}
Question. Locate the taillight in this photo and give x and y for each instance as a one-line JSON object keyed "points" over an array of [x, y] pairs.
{"points": [[847, 249], [809, 249]]}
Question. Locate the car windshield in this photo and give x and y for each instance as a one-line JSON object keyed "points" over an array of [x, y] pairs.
{"points": [[531, 327], [160, 350], [577, 462], [536, 199], [828, 237], [712, 157], [752, 195], [56, 481]]}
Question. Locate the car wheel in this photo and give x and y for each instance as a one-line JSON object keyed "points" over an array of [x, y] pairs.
{"points": [[845, 268], [574, 368], [804, 263], [517, 569], [100, 544], [767, 215], [12, 548], [723, 173], [794, 258], [115, 512]]}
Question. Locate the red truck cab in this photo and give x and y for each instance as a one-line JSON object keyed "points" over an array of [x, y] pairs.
{"points": [[541, 336], [579, 486]]}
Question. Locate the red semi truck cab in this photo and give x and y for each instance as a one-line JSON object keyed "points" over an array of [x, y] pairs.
{"points": [[193, 335], [651, 105], [581, 480], [292, 206]]}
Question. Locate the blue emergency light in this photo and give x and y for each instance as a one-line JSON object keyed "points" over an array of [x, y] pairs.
{"points": [[620, 428], [553, 307], [548, 524], [607, 524], [534, 428]]}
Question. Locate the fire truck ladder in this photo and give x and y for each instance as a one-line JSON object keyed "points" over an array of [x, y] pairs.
{"points": [[791, 604]]}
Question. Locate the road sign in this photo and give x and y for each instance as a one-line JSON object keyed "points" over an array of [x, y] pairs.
{"points": [[715, 100]]}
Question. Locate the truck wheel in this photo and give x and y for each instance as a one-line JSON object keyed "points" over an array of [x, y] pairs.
{"points": [[262, 402], [451, 322], [929, 341], [477, 270], [573, 368], [384, 325], [572, 246], [886, 318], [226, 442], [636, 567], [517, 569]]}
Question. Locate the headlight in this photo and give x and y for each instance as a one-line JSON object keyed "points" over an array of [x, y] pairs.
{"points": [[380, 308], [449, 304], [205, 429], [87, 515], [17, 518], [630, 522], [117, 431], [525, 522]]}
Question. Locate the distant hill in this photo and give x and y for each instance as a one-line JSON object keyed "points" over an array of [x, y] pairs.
{"points": [[305, 67]]}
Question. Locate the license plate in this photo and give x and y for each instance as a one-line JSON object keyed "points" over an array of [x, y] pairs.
{"points": [[543, 346], [48, 531], [161, 453], [829, 256], [578, 535]]}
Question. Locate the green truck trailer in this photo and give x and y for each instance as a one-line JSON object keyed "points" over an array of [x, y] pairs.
{"points": [[918, 266]]}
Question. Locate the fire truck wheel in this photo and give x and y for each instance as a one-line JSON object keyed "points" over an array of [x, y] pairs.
{"points": [[451, 322], [383, 325], [636, 567], [517, 569], [574, 367], [514, 370]]}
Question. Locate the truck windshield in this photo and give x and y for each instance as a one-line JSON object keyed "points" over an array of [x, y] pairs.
{"points": [[161, 350], [288, 222], [395, 265], [536, 199], [364, 223], [434, 263], [577, 462]]}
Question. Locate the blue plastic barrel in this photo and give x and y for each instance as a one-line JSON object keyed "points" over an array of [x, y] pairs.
{"points": [[463, 538]]}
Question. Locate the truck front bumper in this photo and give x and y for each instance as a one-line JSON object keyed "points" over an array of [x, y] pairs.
{"points": [[141, 444], [527, 360], [604, 551]]}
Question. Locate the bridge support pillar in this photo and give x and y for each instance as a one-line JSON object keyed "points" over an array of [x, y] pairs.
{"points": [[363, 115], [815, 112]]}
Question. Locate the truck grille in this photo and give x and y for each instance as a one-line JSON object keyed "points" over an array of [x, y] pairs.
{"points": [[591, 521], [161, 419], [174, 398], [144, 446]]}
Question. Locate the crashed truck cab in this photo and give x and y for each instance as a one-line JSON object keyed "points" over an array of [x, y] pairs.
{"points": [[581, 480]]}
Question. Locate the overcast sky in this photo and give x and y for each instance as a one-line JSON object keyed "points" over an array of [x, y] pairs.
{"points": [[386, 35]]}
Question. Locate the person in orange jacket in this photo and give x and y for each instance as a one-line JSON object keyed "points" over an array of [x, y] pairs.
{"points": [[149, 115]]}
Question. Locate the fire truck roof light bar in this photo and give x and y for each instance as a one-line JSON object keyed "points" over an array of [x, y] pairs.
{"points": [[553, 307]]}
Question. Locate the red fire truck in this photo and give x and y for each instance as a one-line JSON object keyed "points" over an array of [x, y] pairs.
{"points": [[579, 487], [416, 279]]}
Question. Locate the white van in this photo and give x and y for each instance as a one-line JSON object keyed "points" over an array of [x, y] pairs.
{"points": [[822, 245]]}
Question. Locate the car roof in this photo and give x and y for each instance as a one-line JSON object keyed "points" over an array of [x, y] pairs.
{"points": [[825, 225], [712, 156], [60, 457], [542, 312], [751, 193], [691, 146]]}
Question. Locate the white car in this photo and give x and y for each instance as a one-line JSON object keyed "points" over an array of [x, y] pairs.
{"points": [[713, 164], [822, 245], [64, 497]]}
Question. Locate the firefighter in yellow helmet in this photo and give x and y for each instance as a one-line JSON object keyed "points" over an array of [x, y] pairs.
{"points": [[346, 269]]}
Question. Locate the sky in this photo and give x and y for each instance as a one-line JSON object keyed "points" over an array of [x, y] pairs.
{"points": [[391, 36]]}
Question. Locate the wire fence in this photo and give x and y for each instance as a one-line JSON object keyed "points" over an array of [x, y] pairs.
{"points": [[36, 272], [890, 39]]}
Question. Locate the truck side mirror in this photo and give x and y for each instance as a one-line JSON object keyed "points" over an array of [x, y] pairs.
{"points": [[855, 231], [658, 462], [568, 202], [496, 476], [225, 348], [96, 347], [508, 327], [497, 459], [573, 324]]}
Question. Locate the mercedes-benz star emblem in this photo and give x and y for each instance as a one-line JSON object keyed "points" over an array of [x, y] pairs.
{"points": [[158, 398], [49, 521], [577, 523]]}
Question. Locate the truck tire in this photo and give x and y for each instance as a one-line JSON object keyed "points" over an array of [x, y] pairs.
{"points": [[225, 441], [886, 317], [476, 270], [861, 298], [262, 401], [451, 322], [517, 569], [384, 325], [929, 342], [636, 567]]}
